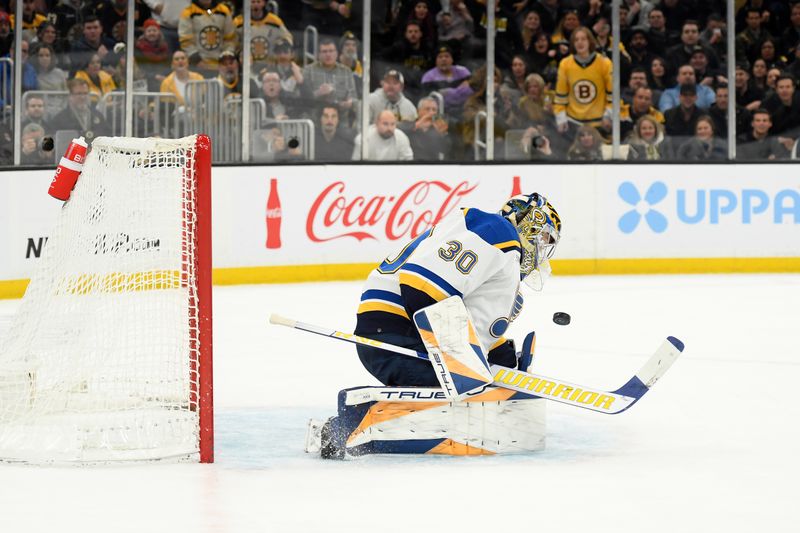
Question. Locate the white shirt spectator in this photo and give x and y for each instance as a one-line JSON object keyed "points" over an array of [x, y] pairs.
{"points": [[384, 141]]}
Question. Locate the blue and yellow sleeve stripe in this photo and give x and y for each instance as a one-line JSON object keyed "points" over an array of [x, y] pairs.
{"points": [[423, 280], [378, 300]]}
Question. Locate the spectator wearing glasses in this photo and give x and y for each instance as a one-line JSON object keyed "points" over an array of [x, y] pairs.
{"points": [[277, 107], [681, 119], [326, 81], [757, 143], [79, 114], [384, 141]]}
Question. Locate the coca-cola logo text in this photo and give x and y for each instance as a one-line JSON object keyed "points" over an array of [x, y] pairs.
{"points": [[423, 204]]}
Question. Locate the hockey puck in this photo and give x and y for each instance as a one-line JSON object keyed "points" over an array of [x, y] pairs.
{"points": [[562, 319], [293, 143], [47, 144]]}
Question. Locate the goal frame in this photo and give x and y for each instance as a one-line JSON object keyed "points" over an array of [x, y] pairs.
{"points": [[203, 268]]}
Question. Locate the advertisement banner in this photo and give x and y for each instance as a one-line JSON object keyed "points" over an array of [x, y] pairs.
{"points": [[358, 214], [311, 216], [699, 211]]}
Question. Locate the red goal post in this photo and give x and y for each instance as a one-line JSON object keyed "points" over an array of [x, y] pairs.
{"points": [[109, 357]]}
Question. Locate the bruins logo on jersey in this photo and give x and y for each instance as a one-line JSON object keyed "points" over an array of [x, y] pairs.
{"points": [[210, 38], [584, 91], [259, 48]]}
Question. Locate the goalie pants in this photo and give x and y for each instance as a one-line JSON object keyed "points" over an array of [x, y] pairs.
{"points": [[396, 370]]}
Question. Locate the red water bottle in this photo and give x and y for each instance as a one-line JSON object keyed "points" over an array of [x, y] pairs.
{"points": [[273, 216], [516, 188], [69, 169]]}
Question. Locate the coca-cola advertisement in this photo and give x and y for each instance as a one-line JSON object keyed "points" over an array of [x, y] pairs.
{"points": [[348, 215]]}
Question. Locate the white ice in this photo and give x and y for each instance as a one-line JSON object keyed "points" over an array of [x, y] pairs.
{"points": [[712, 448]]}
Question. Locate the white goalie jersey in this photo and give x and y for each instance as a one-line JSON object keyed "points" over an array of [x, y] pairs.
{"points": [[471, 254]]}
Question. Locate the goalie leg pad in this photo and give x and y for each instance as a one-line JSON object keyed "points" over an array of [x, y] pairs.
{"points": [[415, 420]]}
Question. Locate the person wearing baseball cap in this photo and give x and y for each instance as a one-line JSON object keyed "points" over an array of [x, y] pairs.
{"points": [[445, 77], [390, 96], [681, 119]]}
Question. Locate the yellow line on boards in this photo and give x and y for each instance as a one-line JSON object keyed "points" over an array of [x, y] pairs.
{"points": [[565, 267]]}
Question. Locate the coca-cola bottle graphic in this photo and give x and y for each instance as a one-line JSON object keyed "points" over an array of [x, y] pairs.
{"points": [[516, 188], [273, 215]]}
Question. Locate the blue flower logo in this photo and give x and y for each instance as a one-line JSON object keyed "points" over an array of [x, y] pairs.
{"points": [[642, 207]]}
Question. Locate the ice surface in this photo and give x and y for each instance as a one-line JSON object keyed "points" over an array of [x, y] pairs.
{"points": [[713, 448]]}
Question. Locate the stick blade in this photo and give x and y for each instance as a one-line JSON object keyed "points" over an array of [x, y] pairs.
{"points": [[660, 361]]}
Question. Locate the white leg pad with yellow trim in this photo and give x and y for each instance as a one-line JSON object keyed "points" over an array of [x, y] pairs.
{"points": [[418, 420]]}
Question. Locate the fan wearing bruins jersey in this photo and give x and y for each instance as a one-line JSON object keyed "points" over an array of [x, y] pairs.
{"points": [[266, 29], [205, 30], [584, 84], [480, 257]]}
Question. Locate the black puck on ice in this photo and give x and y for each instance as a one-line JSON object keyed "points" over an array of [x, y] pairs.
{"points": [[562, 319]]}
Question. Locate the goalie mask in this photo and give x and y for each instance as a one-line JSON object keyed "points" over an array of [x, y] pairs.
{"points": [[539, 228]]}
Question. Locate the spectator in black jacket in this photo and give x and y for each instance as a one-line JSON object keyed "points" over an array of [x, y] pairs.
{"points": [[332, 142], [784, 108], [79, 115], [412, 57], [428, 135], [719, 113], [92, 42], [757, 144], [680, 120]]}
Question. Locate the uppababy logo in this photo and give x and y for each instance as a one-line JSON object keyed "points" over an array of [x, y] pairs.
{"points": [[642, 207]]}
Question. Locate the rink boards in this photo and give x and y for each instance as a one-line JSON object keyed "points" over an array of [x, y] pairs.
{"points": [[337, 222]]}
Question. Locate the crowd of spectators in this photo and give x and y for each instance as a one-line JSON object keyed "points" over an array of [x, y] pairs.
{"points": [[552, 82]]}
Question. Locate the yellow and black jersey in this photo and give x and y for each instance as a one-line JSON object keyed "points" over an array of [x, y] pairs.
{"points": [[32, 24], [206, 32], [583, 92], [264, 33]]}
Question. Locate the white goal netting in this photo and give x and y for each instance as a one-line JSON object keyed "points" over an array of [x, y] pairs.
{"points": [[101, 362]]}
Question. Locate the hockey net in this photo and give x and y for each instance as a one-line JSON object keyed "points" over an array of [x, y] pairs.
{"points": [[109, 355]]}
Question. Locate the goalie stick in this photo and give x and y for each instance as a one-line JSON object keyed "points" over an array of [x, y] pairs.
{"points": [[608, 402]]}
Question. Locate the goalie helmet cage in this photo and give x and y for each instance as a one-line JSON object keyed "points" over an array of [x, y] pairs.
{"points": [[109, 355]]}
